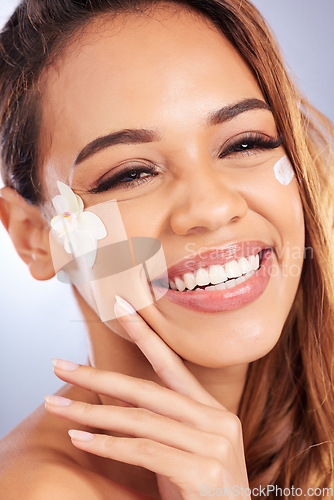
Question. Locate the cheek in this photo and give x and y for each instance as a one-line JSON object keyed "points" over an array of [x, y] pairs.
{"points": [[280, 205], [281, 208], [285, 211], [145, 215], [274, 196], [124, 265], [290, 224]]}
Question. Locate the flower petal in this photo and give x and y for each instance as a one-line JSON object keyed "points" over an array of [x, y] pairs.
{"points": [[60, 204], [80, 242], [71, 243], [80, 203], [91, 257], [71, 198], [63, 277], [91, 222]]}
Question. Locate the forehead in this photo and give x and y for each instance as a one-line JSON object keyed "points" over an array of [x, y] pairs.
{"points": [[167, 68]]}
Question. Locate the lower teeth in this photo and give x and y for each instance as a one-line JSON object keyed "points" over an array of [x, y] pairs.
{"points": [[231, 283]]}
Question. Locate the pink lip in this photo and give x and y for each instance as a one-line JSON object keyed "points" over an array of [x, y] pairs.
{"points": [[228, 299]]}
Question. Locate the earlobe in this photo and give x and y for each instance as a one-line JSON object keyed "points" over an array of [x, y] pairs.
{"points": [[29, 232]]}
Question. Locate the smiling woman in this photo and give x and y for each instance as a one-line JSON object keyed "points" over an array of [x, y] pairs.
{"points": [[210, 364]]}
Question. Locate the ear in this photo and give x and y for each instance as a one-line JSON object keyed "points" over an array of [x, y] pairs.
{"points": [[29, 232]]}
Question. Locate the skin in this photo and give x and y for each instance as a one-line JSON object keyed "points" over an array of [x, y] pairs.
{"points": [[182, 69]]}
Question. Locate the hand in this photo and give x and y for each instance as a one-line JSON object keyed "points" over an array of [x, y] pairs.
{"points": [[180, 431]]}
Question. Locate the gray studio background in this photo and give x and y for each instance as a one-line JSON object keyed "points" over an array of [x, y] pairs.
{"points": [[40, 320]]}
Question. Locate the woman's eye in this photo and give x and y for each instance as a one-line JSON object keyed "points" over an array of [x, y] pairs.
{"points": [[132, 177], [250, 144], [128, 178]]}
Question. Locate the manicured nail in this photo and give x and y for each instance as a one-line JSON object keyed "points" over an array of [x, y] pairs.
{"points": [[65, 365], [58, 400], [123, 305], [80, 435]]}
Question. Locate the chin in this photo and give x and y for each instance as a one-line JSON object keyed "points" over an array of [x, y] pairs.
{"points": [[228, 338], [228, 348]]}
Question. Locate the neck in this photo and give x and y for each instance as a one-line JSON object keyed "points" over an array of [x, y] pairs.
{"points": [[109, 351]]}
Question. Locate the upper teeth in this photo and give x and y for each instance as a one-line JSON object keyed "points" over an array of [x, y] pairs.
{"points": [[216, 274]]}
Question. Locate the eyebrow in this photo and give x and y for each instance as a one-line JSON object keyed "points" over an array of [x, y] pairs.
{"points": [[138, 136]]}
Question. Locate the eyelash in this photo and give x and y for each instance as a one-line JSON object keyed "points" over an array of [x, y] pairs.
{"points": [[253, 141]]}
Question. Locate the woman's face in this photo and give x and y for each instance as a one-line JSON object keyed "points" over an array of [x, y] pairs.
{"points": [[194, 190]]}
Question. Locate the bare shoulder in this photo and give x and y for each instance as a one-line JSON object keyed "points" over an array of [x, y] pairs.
{"points": [[34, 479], [38, 462]]}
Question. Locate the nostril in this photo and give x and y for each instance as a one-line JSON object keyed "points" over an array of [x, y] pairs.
{"points": [[197, 229]]}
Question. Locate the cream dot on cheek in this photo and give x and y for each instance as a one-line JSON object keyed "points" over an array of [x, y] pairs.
{"points": [[283, 171]]}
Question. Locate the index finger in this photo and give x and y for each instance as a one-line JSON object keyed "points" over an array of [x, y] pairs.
{"points": [[138, 392]]}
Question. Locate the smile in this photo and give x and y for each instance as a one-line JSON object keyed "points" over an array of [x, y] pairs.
{"points": [[219, 277], [221, 287]]}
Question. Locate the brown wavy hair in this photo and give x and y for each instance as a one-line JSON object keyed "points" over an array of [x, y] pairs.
{"points": [[287, 406]]}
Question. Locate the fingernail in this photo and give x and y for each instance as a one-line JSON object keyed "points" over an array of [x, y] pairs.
{"points": [[58, 400], [65, 365], [80, 435], [124, 305]]}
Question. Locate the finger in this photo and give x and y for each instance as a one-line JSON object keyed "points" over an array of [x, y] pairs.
{"points": [[142, 393], [166, 363], [140, 423], [179, 466]]}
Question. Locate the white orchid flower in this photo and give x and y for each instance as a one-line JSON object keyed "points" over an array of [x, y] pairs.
{"points": [[79, 229]]}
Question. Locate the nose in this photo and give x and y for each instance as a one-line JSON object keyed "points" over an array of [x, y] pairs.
{"points": [[206, 201]]}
